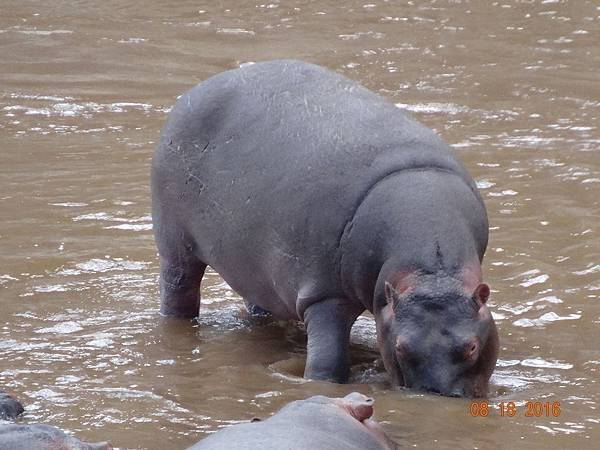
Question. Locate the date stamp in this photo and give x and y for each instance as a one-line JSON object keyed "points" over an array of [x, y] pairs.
{"points": [[510, 409]]}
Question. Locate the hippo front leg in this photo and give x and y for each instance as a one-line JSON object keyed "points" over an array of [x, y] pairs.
{"points": [[328, 325]]}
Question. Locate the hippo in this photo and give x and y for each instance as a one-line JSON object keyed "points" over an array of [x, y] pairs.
{"points": [[10, 407], [316, 199], [42, 437], [318, 422]]}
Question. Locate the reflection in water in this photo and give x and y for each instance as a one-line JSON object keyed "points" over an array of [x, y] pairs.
{"points": [[512, 85]]}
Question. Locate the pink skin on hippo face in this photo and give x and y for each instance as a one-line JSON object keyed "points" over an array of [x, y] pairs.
{"points": [[437, 336]]}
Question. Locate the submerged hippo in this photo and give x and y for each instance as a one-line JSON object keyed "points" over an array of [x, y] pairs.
{"points": [[42, 437], [38, 437], [10, 407], [316, 199], [315, 423]]}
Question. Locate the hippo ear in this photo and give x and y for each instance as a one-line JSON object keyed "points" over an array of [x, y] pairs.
{"points": [[403, 286], [358, 405], [391, 294], [481, 294]]}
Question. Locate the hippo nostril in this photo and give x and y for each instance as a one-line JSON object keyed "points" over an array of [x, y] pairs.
{"points": [[432, 390], [369, 401]]}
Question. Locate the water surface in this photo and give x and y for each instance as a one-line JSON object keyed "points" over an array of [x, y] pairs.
{"points": [[85, 86]]}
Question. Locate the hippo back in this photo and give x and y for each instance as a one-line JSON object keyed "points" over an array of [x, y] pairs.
{"points": [[301, 425], [280, 155]]}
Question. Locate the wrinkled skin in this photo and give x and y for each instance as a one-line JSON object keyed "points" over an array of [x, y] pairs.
{"points": [[438, 339], [10, 407], [315, 423], [42, 437], [309, 194]]}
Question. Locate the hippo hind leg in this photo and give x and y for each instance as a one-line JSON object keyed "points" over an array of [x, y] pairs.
{"points": [[180, 274], [180, 287]]}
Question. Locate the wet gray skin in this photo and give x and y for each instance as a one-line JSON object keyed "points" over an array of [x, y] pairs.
{"points": [[43, 437], [248, 162], [10, 407], [442, 343], [315, 423]]}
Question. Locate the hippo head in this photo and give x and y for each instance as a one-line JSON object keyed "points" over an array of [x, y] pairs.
{"points": [[43, 437], [435, 337]]}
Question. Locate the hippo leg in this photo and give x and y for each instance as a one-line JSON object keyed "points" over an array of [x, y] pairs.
{"points": [[255, 310], [328, 325], [180, 287], [180, 272]]}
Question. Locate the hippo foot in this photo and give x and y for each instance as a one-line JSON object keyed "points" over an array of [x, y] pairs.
{"points": [[256, 311]]}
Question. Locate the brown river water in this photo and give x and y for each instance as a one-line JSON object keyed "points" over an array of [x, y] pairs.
{"points": [[513, 85]]}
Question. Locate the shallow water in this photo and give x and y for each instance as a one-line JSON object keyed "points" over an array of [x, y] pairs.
{"points": [[85, 87]]}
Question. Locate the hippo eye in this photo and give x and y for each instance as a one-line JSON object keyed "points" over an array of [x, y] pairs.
{"points": [[471, 351], [402, 350]]}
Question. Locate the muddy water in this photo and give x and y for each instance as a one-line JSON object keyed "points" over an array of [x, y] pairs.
{"points": [[84, 89]]}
